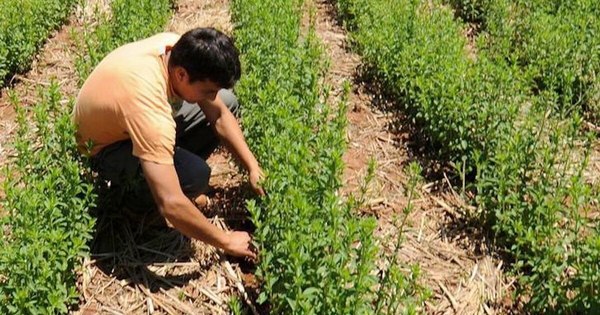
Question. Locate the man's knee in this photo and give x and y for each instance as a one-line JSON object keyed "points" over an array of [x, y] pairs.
{"points": [[196, 179], [199, 184], [193, 172], [230, 101]]}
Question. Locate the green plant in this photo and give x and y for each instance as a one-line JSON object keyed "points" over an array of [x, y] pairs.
{"points": [[236, 306], [401, 292], [472, 11], [537, 202], [24, 26], [48, 188], [316, 257], [124, 24], [518, 142], [48, 226], [555, 45]]}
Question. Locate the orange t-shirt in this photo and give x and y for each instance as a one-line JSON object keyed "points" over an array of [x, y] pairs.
{"points": [[127, 97]]}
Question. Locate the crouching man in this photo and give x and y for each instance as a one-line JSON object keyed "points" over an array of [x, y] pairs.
{"points": [[153, 111]]}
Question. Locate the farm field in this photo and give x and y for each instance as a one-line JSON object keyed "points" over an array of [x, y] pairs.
{"points": [[422, 157]]}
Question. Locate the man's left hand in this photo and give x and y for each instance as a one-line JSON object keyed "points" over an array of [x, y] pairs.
{"points": [[255, 177]]}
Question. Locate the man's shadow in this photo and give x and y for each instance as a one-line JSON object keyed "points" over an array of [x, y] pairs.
{"points": [[124, 248], [126, 243]]}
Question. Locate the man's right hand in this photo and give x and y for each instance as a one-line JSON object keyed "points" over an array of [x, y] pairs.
{"points": [[239, 244], [185, 217]]}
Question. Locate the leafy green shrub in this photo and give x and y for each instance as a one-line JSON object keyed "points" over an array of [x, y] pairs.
{"points": [[128, 21], [537, 202], [24, 26], [556, 45], [553, 42], [418, 54], [472, 11], [524, 147], [316, 257], [48, 226], [46, 232]]}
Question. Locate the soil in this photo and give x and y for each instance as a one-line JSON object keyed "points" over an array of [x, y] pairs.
{"points": [[134, 269]]}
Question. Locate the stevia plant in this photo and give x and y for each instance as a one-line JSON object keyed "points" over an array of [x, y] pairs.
{"points": [[400, 292], [48, 192], [521, 145], [125, 23], [538, 204], [472, 11], [555, 45], [24, 26], [316, 257], [46, 230]]}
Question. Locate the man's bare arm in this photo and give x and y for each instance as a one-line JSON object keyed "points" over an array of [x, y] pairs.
{"points": [[185, 217], [227, 128]]}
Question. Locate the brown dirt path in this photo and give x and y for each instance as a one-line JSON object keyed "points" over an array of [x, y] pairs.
{"points": [[457, 266]]}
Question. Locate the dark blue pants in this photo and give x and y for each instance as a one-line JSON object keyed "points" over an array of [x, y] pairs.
{"points": [[195, 141]]}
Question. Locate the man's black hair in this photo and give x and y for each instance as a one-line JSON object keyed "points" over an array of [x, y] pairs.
{"points": [[206, 53]]}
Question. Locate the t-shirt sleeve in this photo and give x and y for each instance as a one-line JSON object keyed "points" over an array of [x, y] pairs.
{"points": [[152, 135]]}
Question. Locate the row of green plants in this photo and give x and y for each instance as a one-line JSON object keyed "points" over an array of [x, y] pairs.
{"points": [[24, 26], [126, 22], [554, 43], [521, 150], [48, 189], [47, 224], [316, 256], [472, 11]]}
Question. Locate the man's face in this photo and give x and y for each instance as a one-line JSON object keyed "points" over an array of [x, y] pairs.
{"points": [[195, 92]]}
